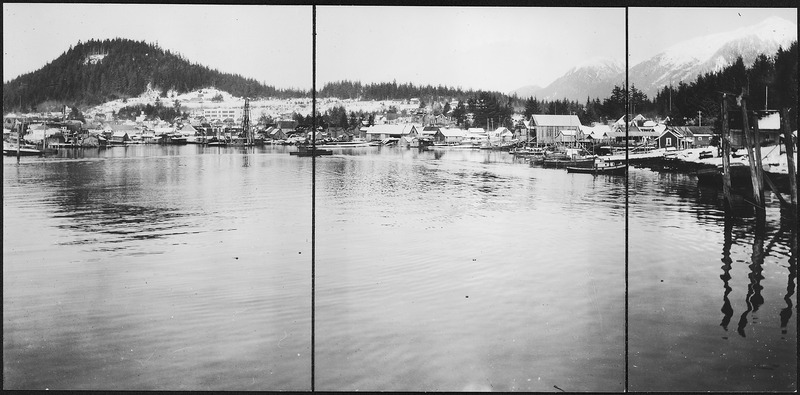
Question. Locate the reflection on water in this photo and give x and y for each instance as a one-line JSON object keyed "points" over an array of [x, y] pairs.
{"points": [[153, 267], [727, 310], [435, 260], [189, 268], [676, 343]]}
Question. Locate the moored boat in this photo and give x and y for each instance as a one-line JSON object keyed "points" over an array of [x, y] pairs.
{"points": [[344, 144], [307, 150], [11, 149], [600, 168]]}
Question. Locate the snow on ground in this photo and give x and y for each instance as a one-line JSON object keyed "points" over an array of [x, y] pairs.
{"points": [[196, 101]]}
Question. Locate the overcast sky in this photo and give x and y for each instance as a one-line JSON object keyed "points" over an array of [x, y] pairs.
{"points": [[269, 43], [481, 48], [652, 30]]}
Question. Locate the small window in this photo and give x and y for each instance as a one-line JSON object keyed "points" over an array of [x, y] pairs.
{"points": [[669, 141]]}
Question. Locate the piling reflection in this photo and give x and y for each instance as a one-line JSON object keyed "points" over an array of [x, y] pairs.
{"points": [[727, 310], [786, 313], [754, 300], [784, 238]]}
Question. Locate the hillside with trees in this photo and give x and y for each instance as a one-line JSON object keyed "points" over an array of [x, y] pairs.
{"points": [[96, 71]]}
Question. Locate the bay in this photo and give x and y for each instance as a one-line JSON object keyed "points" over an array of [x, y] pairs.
{"points": [[186, 267]]}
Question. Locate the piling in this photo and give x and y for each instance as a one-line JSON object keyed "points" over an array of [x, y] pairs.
{"points": [[757, 149], [725, 140], [788, 141], [19, 140], [758, 192]]}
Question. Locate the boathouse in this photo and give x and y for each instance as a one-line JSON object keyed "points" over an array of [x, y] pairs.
{"points": [[450, 135], [547, 127], [382, 132], [119, 137]]}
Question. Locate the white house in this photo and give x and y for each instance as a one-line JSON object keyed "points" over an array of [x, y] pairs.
{"points": [[385, 131], [501, 134]]}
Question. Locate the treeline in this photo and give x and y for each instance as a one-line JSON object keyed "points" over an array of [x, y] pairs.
{"points": [[392, 90], [771, 83], [127, 70], [152, 111]]}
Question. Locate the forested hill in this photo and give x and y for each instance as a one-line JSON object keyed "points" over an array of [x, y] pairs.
{"points": [[98, 71]]}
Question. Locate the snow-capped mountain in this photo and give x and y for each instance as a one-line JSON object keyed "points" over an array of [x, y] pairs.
{"points": [[681, 62], [688, 59], [594, 78]]}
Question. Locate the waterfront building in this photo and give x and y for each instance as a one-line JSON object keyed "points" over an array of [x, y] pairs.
{"points": [[429, 132], [501, 134], [382, 132], [547, 127], [450, 135]]}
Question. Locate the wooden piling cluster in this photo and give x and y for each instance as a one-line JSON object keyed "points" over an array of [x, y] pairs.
{"points": [[725, 140], [753, 147], [752, 152]]}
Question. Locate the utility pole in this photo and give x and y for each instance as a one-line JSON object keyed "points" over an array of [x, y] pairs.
{"points": [[699, 118]]}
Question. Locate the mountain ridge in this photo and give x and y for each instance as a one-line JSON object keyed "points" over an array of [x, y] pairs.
{"points": [[684, 61]]}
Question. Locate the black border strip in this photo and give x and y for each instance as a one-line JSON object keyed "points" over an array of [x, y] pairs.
{"points": [[627, 184], [313, 180]]}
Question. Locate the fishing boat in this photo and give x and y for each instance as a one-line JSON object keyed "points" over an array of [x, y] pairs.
{"points": [[216, 142], [568, 162], [344, 144], [527, 151], [10, 149], [568, 157], [600, 168], [308, 150]]}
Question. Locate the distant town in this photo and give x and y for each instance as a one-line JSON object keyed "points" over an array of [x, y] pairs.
{"points": [[212, 113]]}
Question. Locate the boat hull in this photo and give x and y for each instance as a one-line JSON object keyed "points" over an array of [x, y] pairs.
{"points": [[22, 152], [611, 170], [562, 163]]}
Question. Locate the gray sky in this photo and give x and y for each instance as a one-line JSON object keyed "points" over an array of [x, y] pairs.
{"points": [[494, 48], [482, 48], [269, 43], [654, 29]]}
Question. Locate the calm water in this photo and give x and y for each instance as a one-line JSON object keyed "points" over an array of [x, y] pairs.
{"points": [[157, 268], [153, 267]]}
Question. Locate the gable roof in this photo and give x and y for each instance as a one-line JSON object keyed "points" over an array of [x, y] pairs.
{"points": [[555, 120], [401, 129], [452, 132]]}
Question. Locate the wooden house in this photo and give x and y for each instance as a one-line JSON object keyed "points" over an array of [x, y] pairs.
{"points": [[450, 135], [382, 132], [547, 127], [670, 138]]}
